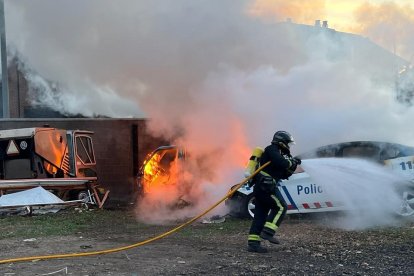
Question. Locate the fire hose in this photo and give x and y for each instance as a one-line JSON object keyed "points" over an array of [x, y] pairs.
{"points": [[117, 249]]}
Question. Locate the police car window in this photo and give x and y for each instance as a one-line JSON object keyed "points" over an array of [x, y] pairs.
{"points": [[361, 151], [389, 153], [84, 149], [327, 152], [405, 151]]}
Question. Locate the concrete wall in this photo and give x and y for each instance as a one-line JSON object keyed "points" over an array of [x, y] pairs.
{"points": [[120, 146]]}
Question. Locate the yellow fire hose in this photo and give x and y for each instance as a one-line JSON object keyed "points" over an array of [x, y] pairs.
{"points": [[82, 254]]}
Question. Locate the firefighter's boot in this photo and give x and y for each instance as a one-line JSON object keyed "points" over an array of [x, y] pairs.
{"points": [[256, 247], [270, 238]]}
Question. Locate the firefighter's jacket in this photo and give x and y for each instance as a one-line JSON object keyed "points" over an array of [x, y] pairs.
{"points": [[282, 165]]}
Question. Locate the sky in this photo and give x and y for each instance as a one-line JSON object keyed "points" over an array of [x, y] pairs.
{"points": [[221, 76], [385, 22]]}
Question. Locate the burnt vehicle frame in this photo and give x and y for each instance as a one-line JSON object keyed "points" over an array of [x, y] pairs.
{"points": [[157, 165]]}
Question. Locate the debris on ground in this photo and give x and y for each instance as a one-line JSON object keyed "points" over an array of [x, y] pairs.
{"points": [[214, 219], [33, 201]]}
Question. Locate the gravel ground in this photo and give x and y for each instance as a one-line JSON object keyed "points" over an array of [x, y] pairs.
{"points": [[309, 247]]}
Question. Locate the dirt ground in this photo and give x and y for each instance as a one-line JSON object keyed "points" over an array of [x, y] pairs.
{"points": [[309, 247]]}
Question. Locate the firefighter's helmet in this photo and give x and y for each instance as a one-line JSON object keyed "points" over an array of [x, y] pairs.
{"points": [[283, 138]]}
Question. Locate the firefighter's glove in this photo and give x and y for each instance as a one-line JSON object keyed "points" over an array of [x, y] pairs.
{"points": [[293, 165], [292, 168], [297, 161], [250, 183]]}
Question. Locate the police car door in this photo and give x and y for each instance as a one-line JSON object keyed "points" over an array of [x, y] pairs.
{"points": [[303, 195]]}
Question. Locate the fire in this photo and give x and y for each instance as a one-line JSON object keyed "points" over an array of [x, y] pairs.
{"points": [[173, 179], [160, 170], [165, 185]]}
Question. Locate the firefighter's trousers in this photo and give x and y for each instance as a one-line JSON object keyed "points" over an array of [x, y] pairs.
{"points": [[270, 210]]}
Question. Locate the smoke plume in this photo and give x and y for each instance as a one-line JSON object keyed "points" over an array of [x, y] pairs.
{"points": [[388, 24], [214, 74]]}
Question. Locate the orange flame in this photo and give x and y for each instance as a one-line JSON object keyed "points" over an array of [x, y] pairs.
{"points": [[160, 170]]}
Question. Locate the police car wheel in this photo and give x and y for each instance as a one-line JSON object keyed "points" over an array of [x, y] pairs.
{"points": [[407, 204], [249, 206]]}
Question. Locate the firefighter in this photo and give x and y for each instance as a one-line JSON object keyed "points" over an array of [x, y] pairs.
{"points": [[270, 206]]}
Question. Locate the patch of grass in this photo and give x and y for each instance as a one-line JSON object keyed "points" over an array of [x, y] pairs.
{"points": [[70, 222], [62, 223]]}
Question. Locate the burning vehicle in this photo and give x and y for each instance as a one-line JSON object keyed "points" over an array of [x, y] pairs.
{"points": [[163, 165], [163, 170], [62, 161], [303, 195]]}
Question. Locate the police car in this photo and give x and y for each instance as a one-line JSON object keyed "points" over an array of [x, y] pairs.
{"points": [[303, 195]]}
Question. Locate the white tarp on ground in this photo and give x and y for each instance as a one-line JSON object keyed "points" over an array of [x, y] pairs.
{"points": [[29, 197]]}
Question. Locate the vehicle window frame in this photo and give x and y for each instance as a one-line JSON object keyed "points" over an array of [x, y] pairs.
{"points": [[359, 151], [93, 159]]}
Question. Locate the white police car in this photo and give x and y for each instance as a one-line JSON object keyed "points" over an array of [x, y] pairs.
{"points": [[303, 195]]}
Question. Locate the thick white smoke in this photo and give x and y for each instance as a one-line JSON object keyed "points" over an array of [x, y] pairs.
{"points": [[73, 100], [212, 72], [369, 193], [389, 24], [164, 58]]}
